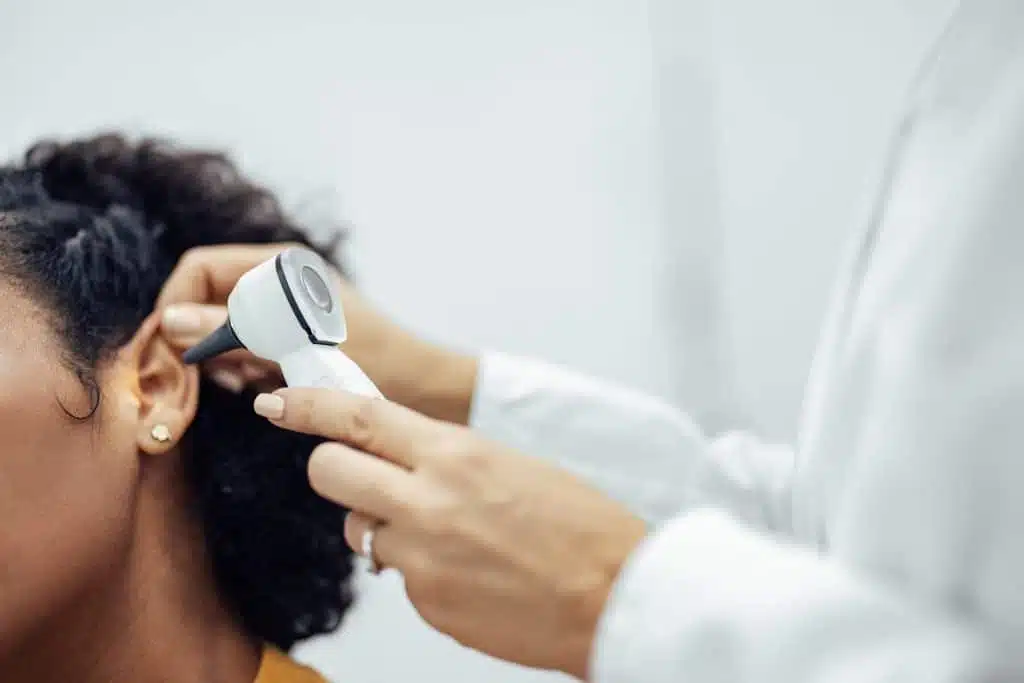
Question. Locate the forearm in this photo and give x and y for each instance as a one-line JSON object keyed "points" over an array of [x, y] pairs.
{"points": [[425, 377], [439, 384]]}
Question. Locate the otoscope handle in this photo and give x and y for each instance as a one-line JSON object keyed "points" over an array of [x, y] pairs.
{"points": [[327, 367]]}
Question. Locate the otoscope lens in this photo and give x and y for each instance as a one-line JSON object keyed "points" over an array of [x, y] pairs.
{"points": [[317, 290]]}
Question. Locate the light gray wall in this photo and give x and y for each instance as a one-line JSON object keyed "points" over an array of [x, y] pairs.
{"points": [[499, 161], [692, 222], [807, 93]]}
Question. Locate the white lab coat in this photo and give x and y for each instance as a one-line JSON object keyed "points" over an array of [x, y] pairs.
{"points": [[888, 545]]}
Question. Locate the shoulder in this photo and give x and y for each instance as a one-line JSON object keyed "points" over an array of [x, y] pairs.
{"points": [[278, 667]]}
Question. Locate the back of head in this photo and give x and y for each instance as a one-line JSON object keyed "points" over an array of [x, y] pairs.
{"points": [[91, 229]]}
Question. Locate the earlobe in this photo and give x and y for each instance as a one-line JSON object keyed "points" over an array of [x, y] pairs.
{"points": [[167, 390]]}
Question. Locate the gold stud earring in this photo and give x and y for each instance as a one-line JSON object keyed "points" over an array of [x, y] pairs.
{"points": [[161, 433]]}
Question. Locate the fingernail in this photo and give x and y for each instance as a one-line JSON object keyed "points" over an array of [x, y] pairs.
{"points": [[269, 406], [226, 379], [181, 320]]}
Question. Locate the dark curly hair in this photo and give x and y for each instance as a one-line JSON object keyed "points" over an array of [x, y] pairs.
{"points": [[93, 229]]}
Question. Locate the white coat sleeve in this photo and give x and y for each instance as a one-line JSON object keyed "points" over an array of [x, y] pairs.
{"points": [[919, 577], [706, 600], [635, 448]]}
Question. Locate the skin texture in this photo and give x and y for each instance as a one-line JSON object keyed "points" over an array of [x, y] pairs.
{"points": [[505, 553], [98, 558]]}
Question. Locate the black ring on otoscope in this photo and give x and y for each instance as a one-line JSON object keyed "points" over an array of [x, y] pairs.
{"points": [[279, 268]]}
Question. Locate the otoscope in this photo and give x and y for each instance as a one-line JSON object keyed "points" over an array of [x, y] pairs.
{"points": [[285, 310]]}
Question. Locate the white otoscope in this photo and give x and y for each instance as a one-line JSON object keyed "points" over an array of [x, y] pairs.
{"points": [[285, 310]]}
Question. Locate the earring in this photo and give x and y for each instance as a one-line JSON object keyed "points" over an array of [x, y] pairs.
{"points": [[161, 433]]}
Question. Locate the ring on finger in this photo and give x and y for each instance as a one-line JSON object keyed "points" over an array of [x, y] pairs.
{"points": [[366, 549]]}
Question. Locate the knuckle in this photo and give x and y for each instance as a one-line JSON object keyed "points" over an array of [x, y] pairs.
{"points": [[362, 423]]}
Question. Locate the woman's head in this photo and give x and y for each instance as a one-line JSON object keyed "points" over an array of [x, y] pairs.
{"points": [[89, 232]]}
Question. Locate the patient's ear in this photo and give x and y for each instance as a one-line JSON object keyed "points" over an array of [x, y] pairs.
{"points": [[167, 390]]}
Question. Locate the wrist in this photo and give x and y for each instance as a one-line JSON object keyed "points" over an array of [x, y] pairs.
{"points": [[429, 379], [620, 542]]}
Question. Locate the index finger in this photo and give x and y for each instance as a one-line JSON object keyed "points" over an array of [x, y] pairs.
{"points": [[208, 274], [373, 425]]}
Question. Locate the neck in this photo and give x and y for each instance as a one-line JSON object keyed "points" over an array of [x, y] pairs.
{"points": [[155, 617]]}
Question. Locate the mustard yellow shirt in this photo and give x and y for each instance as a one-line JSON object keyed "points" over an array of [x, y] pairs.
{"points": [[278, 667]]}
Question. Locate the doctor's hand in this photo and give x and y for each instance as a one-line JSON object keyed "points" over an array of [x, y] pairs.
{"points": [[504, 553], [408, 370]]}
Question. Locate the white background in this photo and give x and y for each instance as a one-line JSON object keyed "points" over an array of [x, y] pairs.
{"points": [[656, 192]]}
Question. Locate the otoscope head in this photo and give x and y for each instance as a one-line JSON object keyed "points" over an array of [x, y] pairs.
{"points": [[280, 306]]}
